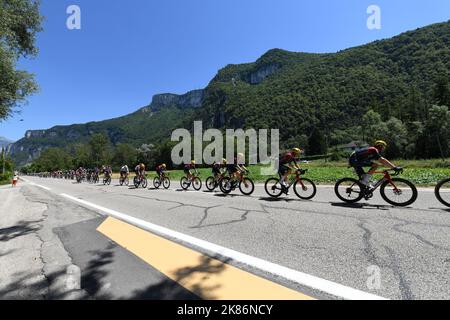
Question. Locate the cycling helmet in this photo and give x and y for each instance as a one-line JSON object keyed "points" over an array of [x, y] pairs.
{"points": [[193, 162], [224, 161], [296, 150], [164, 165], [142, 166], [380, 143]]}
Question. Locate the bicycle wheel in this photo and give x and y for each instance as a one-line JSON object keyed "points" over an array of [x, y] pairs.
{"points": [[349, 190], [398, 192], [108, 182], [127, 181], [442, 192], [305, 189], [273, 187], [246, 186], [184, 182], [136, 182], [121, 181], [225, 185], [166, 183], [144, 183], [211, 183], [156, 183], [197, 183]]}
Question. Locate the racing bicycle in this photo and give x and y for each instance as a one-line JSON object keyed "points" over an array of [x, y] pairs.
{"points": [[304, 188], [213, 182], [124, 180], [140, 181], [395, 191], [161, 180], [107, 179], [195, 181], [245, 184]]}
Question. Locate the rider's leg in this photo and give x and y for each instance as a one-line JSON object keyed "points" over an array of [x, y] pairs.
{"points": [[364, 177]]}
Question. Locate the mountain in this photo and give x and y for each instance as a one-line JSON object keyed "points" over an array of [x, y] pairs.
{"points": [[300, 93], [4, 142], [149, 124]]}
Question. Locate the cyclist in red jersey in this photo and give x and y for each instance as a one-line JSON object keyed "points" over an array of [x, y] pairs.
{"points": [[366, 157], [288, 162]]}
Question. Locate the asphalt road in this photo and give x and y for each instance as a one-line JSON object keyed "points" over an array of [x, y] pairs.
{"points": [[395, 253]]}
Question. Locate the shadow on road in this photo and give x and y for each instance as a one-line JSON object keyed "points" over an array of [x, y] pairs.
{"points": [[195, 276], [270, 199], [92, 277], [361, 206], [441, 209], [23, 228]]}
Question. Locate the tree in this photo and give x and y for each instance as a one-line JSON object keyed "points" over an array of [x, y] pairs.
{"points": [[100, 149], [146, 154], [19, 23], [438, 131], [54, 159], [317, 143], [441, 93], [125, 154], [396, 136], [81, 155]]}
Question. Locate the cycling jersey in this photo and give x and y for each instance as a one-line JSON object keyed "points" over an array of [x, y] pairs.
{"points": [[216, 168], [124, 169], [160, 170], [363, 158], [365, 155], [287, 158]]}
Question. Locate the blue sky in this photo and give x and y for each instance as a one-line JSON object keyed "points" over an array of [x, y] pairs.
{"points": [[127, 51]]}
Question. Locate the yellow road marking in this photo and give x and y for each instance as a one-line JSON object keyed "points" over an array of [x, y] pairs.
{"points": [[208, 278]]}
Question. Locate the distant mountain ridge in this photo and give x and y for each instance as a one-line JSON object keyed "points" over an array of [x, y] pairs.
{"points": [[298, 93], [4, 142]]}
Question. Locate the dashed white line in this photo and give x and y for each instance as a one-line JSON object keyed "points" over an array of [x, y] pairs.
{"points": [[300, 278]]}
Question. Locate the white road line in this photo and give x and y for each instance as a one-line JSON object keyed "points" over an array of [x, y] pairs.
{"points": [[304, 279], [36, 185]]}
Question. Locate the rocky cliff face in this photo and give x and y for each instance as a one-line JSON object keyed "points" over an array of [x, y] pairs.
{"points": [[262, 73], [192, 99], [34, 134]]}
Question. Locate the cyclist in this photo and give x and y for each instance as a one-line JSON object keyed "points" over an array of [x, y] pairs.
{"points": [[124, 172], [365, 157], [161, 170], [287, 163], [188, 169], [217, 168], [140, 171], [237, 167]]}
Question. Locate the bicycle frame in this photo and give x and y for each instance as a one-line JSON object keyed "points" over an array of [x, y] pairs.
{"points": [[386, 177], [298, 179]]}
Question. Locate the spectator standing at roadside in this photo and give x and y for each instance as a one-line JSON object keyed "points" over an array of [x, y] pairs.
{"points": [[15, 179]]}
